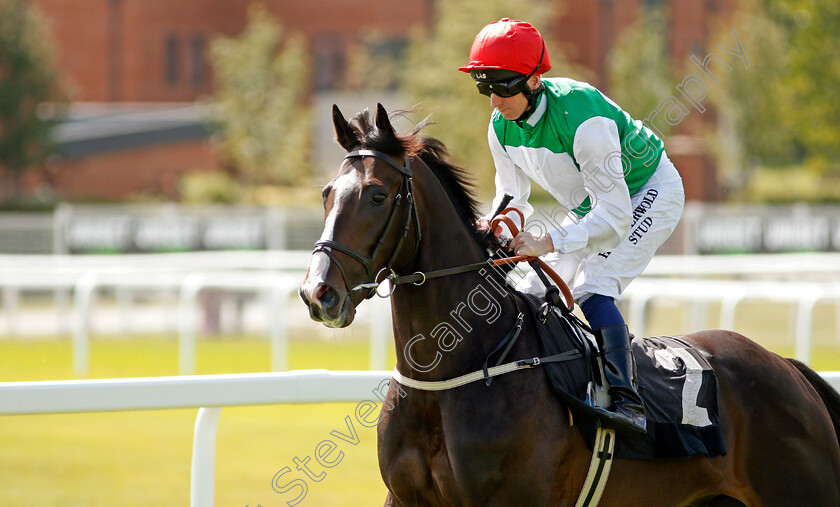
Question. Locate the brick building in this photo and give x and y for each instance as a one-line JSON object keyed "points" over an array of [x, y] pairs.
{"points": [[121, 53], [133, 67], [155, 50]]}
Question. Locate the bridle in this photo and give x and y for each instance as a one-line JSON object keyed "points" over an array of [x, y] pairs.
{"points": [[419, 278], [327, 246]]}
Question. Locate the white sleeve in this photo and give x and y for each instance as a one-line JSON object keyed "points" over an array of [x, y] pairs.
{"points": [[597, 149], [509, 180]]}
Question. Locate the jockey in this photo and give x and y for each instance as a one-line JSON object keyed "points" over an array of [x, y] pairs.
{"points": [[620, 196]]}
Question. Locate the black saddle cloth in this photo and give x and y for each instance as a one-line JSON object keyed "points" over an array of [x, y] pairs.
{"points": [[676, 382]]}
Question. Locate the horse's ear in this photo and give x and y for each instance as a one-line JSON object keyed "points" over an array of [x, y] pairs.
{"points": [[343, 132], [382, 121]]}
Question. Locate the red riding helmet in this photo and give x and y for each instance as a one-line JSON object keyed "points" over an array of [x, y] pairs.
{"points": [[511, 45]]}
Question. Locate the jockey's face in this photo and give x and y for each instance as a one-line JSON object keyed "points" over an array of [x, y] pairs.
{"points": [[513, 107]]}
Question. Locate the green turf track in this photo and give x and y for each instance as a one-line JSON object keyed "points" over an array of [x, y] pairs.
{"points": [[143, 458]]}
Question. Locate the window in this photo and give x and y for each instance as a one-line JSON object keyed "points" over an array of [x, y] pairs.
{"points": [[197, 73], [172, 59]]}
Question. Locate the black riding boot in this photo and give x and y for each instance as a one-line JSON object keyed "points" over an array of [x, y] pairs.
{"points": [[627, 412]]}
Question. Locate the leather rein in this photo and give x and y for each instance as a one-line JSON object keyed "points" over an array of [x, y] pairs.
{"points": [[419, 277]]}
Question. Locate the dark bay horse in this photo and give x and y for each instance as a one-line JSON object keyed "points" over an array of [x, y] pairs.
{"points": [[397, 207]]}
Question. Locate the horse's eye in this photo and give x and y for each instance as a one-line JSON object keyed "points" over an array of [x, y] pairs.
{"points": [[378, 198]]}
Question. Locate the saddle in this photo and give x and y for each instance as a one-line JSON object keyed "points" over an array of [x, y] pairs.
{"points": [[676, 383]]}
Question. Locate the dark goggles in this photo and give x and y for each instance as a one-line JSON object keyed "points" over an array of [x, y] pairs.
{"points": [[500, 81], [503, 89]]}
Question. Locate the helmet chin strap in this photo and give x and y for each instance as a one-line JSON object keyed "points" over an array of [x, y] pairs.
{"points": [[532, 96]]}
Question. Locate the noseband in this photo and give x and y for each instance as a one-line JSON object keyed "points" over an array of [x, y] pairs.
{"points": [[328, 246]]}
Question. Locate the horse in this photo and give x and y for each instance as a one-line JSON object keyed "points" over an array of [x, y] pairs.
{"points": [[397, 205]]}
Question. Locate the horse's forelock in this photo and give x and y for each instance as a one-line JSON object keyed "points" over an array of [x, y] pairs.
{"points": [[389, 142]]}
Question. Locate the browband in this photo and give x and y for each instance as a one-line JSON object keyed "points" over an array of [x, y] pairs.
{"points": [[387, 158]]}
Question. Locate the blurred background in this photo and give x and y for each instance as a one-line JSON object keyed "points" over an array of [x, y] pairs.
{"points": [[160, 173], [148, 107]]}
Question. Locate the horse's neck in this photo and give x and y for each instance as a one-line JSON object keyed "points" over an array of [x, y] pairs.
{"points": [[447, 326]]}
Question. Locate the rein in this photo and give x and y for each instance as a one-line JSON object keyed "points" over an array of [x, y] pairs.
{"points": [[542, 269], [419, 278]]}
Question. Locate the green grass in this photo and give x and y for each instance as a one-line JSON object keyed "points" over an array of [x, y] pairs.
{"points": [[143, 458], [147, 356]]}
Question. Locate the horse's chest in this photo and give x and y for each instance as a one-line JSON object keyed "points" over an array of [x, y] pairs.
{"points": [[435, 475], [414, 461], [453, 455]]}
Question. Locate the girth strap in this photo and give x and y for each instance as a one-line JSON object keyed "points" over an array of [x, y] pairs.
{"points": [[599, 468]]}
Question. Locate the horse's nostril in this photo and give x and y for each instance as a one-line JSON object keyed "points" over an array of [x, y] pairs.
{"points": [[327, 296], [321, 290]]}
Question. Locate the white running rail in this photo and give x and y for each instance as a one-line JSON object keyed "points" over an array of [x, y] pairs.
{"points": [[181, 277], [209, 393], [802, 280], [803, 296]]}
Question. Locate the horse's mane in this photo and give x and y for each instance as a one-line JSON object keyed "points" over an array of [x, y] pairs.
{"points": [[456, 181]]}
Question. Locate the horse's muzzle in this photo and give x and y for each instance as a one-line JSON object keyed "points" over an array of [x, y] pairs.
{"points": [[326, 304]]}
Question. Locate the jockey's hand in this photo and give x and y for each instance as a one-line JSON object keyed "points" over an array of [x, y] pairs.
{"points": [[526, 243]]}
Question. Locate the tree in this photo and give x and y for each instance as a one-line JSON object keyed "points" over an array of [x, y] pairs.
{"points": [[27, 80], [754, 105], [638, 68], [431, 77], [261, 83], [813, 76], [784, 107], [778, 137]]}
